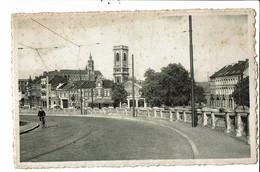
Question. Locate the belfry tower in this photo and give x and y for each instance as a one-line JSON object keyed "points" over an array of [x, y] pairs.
{"points": [[90, 68], [121, 70]]}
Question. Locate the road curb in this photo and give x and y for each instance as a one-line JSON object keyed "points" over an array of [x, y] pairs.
{"points": [[27, 128]]}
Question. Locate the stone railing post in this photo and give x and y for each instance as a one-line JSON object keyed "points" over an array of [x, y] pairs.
{"points": [[177, 115], [184, 116], [171, 115], [238, 125], [126, 111], [155, 112], [204, 118], [148, 112], [248, 128], [241, 110], [137, 111], [161, 112], [116, 110], [228, 122], [213, 120]]}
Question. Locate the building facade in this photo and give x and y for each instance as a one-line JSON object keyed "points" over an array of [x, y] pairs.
{"points": [[223, 82], [139, 101], [58, 87], [121, 69]]}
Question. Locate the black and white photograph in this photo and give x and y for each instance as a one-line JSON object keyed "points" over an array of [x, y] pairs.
{"points": [[134, 88]]}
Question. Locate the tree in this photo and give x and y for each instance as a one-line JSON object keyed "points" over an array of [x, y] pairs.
{"points": [[199, 94], [152, 90], [241, 93], [171, 86], [119, 94]]}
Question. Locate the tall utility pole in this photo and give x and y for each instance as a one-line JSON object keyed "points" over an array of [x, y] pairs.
{"points": [[133, 86], [192, 75], [92, 101], [81, 107]]}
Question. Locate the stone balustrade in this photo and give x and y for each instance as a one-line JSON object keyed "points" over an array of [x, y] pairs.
{"points": [[228, 121], [236, 121]]}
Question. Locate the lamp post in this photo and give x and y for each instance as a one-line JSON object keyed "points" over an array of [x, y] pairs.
{"points": [[133, 86]]}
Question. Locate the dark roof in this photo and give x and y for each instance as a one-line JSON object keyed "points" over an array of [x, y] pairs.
{"points": [[37, 80], [70, 71], [56, 80], [24, 80], [63, 85], [233, 69], [107, 83], [51, 74], [97, 72], [205, 86], [87, 84]]}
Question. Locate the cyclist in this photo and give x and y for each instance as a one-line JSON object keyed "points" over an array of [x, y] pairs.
{"points": [[41, 115]]}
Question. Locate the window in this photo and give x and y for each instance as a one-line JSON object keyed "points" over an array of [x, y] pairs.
{"points": [[117, 56], [124, 56], [117, 79]]}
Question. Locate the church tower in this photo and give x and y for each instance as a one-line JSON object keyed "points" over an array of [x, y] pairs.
{"points": [[90, 68], [90, 64], [121, 70]]}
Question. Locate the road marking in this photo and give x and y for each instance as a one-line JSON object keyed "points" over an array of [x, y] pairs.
{"points": [[192, 144]]}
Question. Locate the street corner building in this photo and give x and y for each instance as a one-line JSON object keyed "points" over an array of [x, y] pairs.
{"points": [[223, 83]]}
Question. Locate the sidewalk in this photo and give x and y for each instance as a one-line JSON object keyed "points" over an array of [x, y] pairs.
{"points": [[28, 127]]}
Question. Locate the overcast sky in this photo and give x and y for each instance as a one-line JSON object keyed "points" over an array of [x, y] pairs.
{"points": [[155, 39]]}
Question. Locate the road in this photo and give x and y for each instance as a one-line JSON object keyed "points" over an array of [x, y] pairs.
{"points": [[90, 138]]}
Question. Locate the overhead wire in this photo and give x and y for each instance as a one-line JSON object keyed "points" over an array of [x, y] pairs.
{"points": [[36, 49], [54, 32]]}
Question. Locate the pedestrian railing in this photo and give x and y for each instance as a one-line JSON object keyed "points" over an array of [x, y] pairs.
{"points": [[235, 121]]}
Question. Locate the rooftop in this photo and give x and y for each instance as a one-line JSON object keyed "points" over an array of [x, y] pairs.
{"points": [[232, 69]]}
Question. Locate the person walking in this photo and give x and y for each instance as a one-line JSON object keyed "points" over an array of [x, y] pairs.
{"points": [[41, 115]]}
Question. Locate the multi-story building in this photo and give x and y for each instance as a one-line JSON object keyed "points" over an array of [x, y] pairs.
{"points": [[22, 84], [57, 86], [97, 92], [223, 82]]}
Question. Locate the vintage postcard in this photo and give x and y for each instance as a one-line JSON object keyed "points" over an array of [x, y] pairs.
{"points": [[134, 88]]}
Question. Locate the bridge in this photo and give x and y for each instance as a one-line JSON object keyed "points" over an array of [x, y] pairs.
{"points": [[156, 133]]}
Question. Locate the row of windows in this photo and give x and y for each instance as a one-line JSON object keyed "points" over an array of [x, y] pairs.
{"points": [[223, 90], [230, 81], [118, 57], [106, 93]]}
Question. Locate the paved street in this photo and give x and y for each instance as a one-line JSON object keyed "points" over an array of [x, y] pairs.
{"points": [[89, 138]]}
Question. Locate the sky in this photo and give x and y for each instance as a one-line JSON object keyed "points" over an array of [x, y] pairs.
{"points": [[154, 38]]}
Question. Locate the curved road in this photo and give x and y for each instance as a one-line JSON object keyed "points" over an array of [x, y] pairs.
{"points": [[89, 138]]}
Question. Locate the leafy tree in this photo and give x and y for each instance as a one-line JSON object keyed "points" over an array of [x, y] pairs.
{"points": [[152, 90], [199, 94], [171, 87], [119, 94], [241, 93], [176, 83]]}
